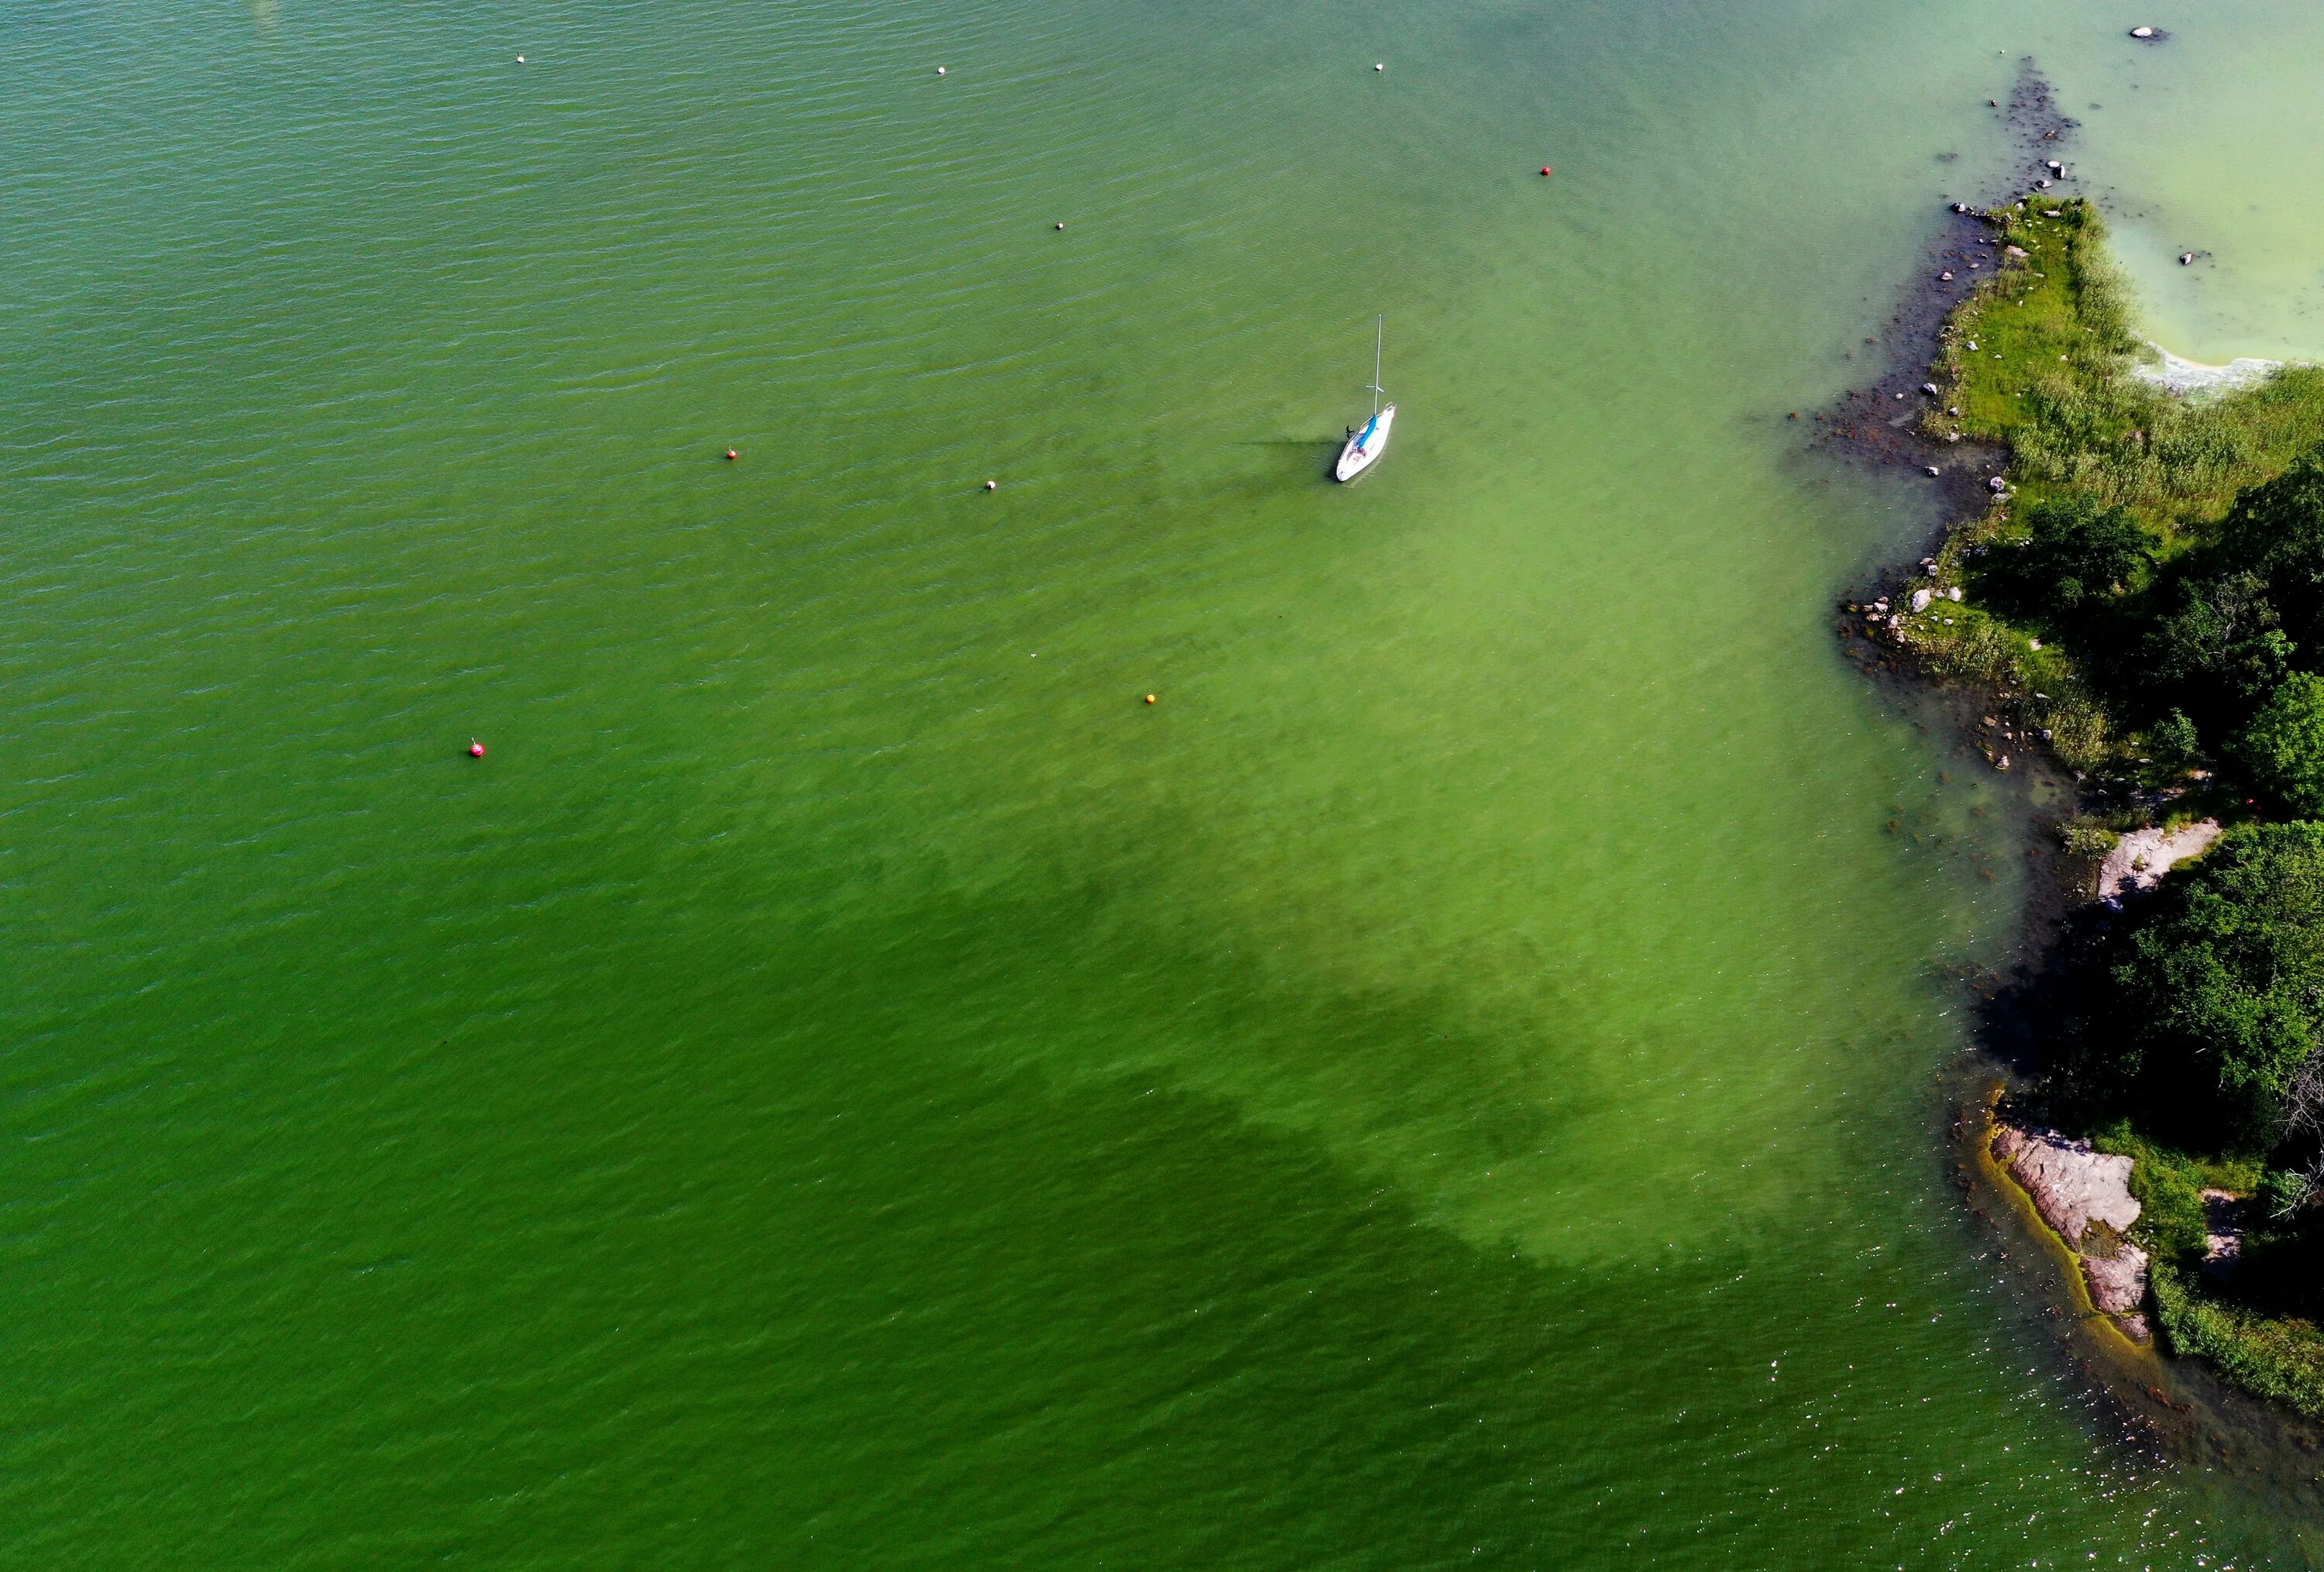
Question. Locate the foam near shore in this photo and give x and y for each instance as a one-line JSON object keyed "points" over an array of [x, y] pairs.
{"points": [[2177, 374]]}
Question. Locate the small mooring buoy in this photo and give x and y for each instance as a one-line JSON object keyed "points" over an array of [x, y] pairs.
{"points": [[1546, 171], [732, 456], [1151, 700], [1061, 225], [2142, 32], [476, 749], [520, 59], [1380, 67], [940, 70], [993, 485]]}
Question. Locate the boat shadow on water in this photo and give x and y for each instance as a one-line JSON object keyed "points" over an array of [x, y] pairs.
{"points": [[1322, 451]]}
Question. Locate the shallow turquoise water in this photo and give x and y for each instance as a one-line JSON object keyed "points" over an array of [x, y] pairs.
{"points": [[843, 1082]]}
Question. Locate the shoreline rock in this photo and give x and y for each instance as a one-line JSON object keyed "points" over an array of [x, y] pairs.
{"points": [[2084, 1195], [2141, 858]]}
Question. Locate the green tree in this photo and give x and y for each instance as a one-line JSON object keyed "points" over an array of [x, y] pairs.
{"points": [[2219, 987], [2221, 643], [2276, 531], [2077, 550], [2175, 742], [2281, 751]]}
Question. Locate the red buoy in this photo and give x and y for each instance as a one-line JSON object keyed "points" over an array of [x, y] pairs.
{"points": [[476, 749], [732, 456], [1545, 168]]}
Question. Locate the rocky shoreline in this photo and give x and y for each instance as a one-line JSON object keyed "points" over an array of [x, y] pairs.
{"points": [[2053, 1186], [1880, 423]]}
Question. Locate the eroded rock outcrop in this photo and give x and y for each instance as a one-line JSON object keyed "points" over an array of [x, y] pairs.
{"points": [[2085, 1194]]}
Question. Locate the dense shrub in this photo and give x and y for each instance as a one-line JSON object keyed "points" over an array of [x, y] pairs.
{"points": [[2281, 751]]}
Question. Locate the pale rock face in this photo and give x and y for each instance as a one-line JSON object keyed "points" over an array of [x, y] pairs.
{"points": [[2074, 1187], [2141, 858], [2118, 1282], [2073, 1184], [1920, 600]]}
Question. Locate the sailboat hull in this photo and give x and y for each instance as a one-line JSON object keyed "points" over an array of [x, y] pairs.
{"points": [[1364, 448]]}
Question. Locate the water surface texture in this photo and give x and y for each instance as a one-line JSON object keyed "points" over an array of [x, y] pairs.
{"points": [[844, 1082]]}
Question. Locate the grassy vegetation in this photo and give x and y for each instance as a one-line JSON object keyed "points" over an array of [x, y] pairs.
{"points": [[2168, 1185], [2049, 378], [2040, 360], [2276, 1356], [2147, 597]]}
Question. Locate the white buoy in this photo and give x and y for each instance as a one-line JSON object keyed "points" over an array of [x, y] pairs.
{"points": [[520, 59], [940, 70], [1380, 67], [2142, 32]]}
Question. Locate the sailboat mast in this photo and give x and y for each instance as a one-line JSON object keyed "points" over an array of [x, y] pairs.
{"points": [[1379, 327]]}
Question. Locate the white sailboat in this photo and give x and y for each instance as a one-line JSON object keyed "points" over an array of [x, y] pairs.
{"points": [[1365, 446]]}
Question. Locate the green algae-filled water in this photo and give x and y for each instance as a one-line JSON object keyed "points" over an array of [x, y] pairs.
{"points": [[843, 1082]]}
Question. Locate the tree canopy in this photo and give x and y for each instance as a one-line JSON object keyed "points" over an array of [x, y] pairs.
{"points": [[2219, 995], [2077, 552], [2281, 751]]}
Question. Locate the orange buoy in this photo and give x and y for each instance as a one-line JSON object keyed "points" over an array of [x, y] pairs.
{"points": [[1150, 698], [476, 749]]}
